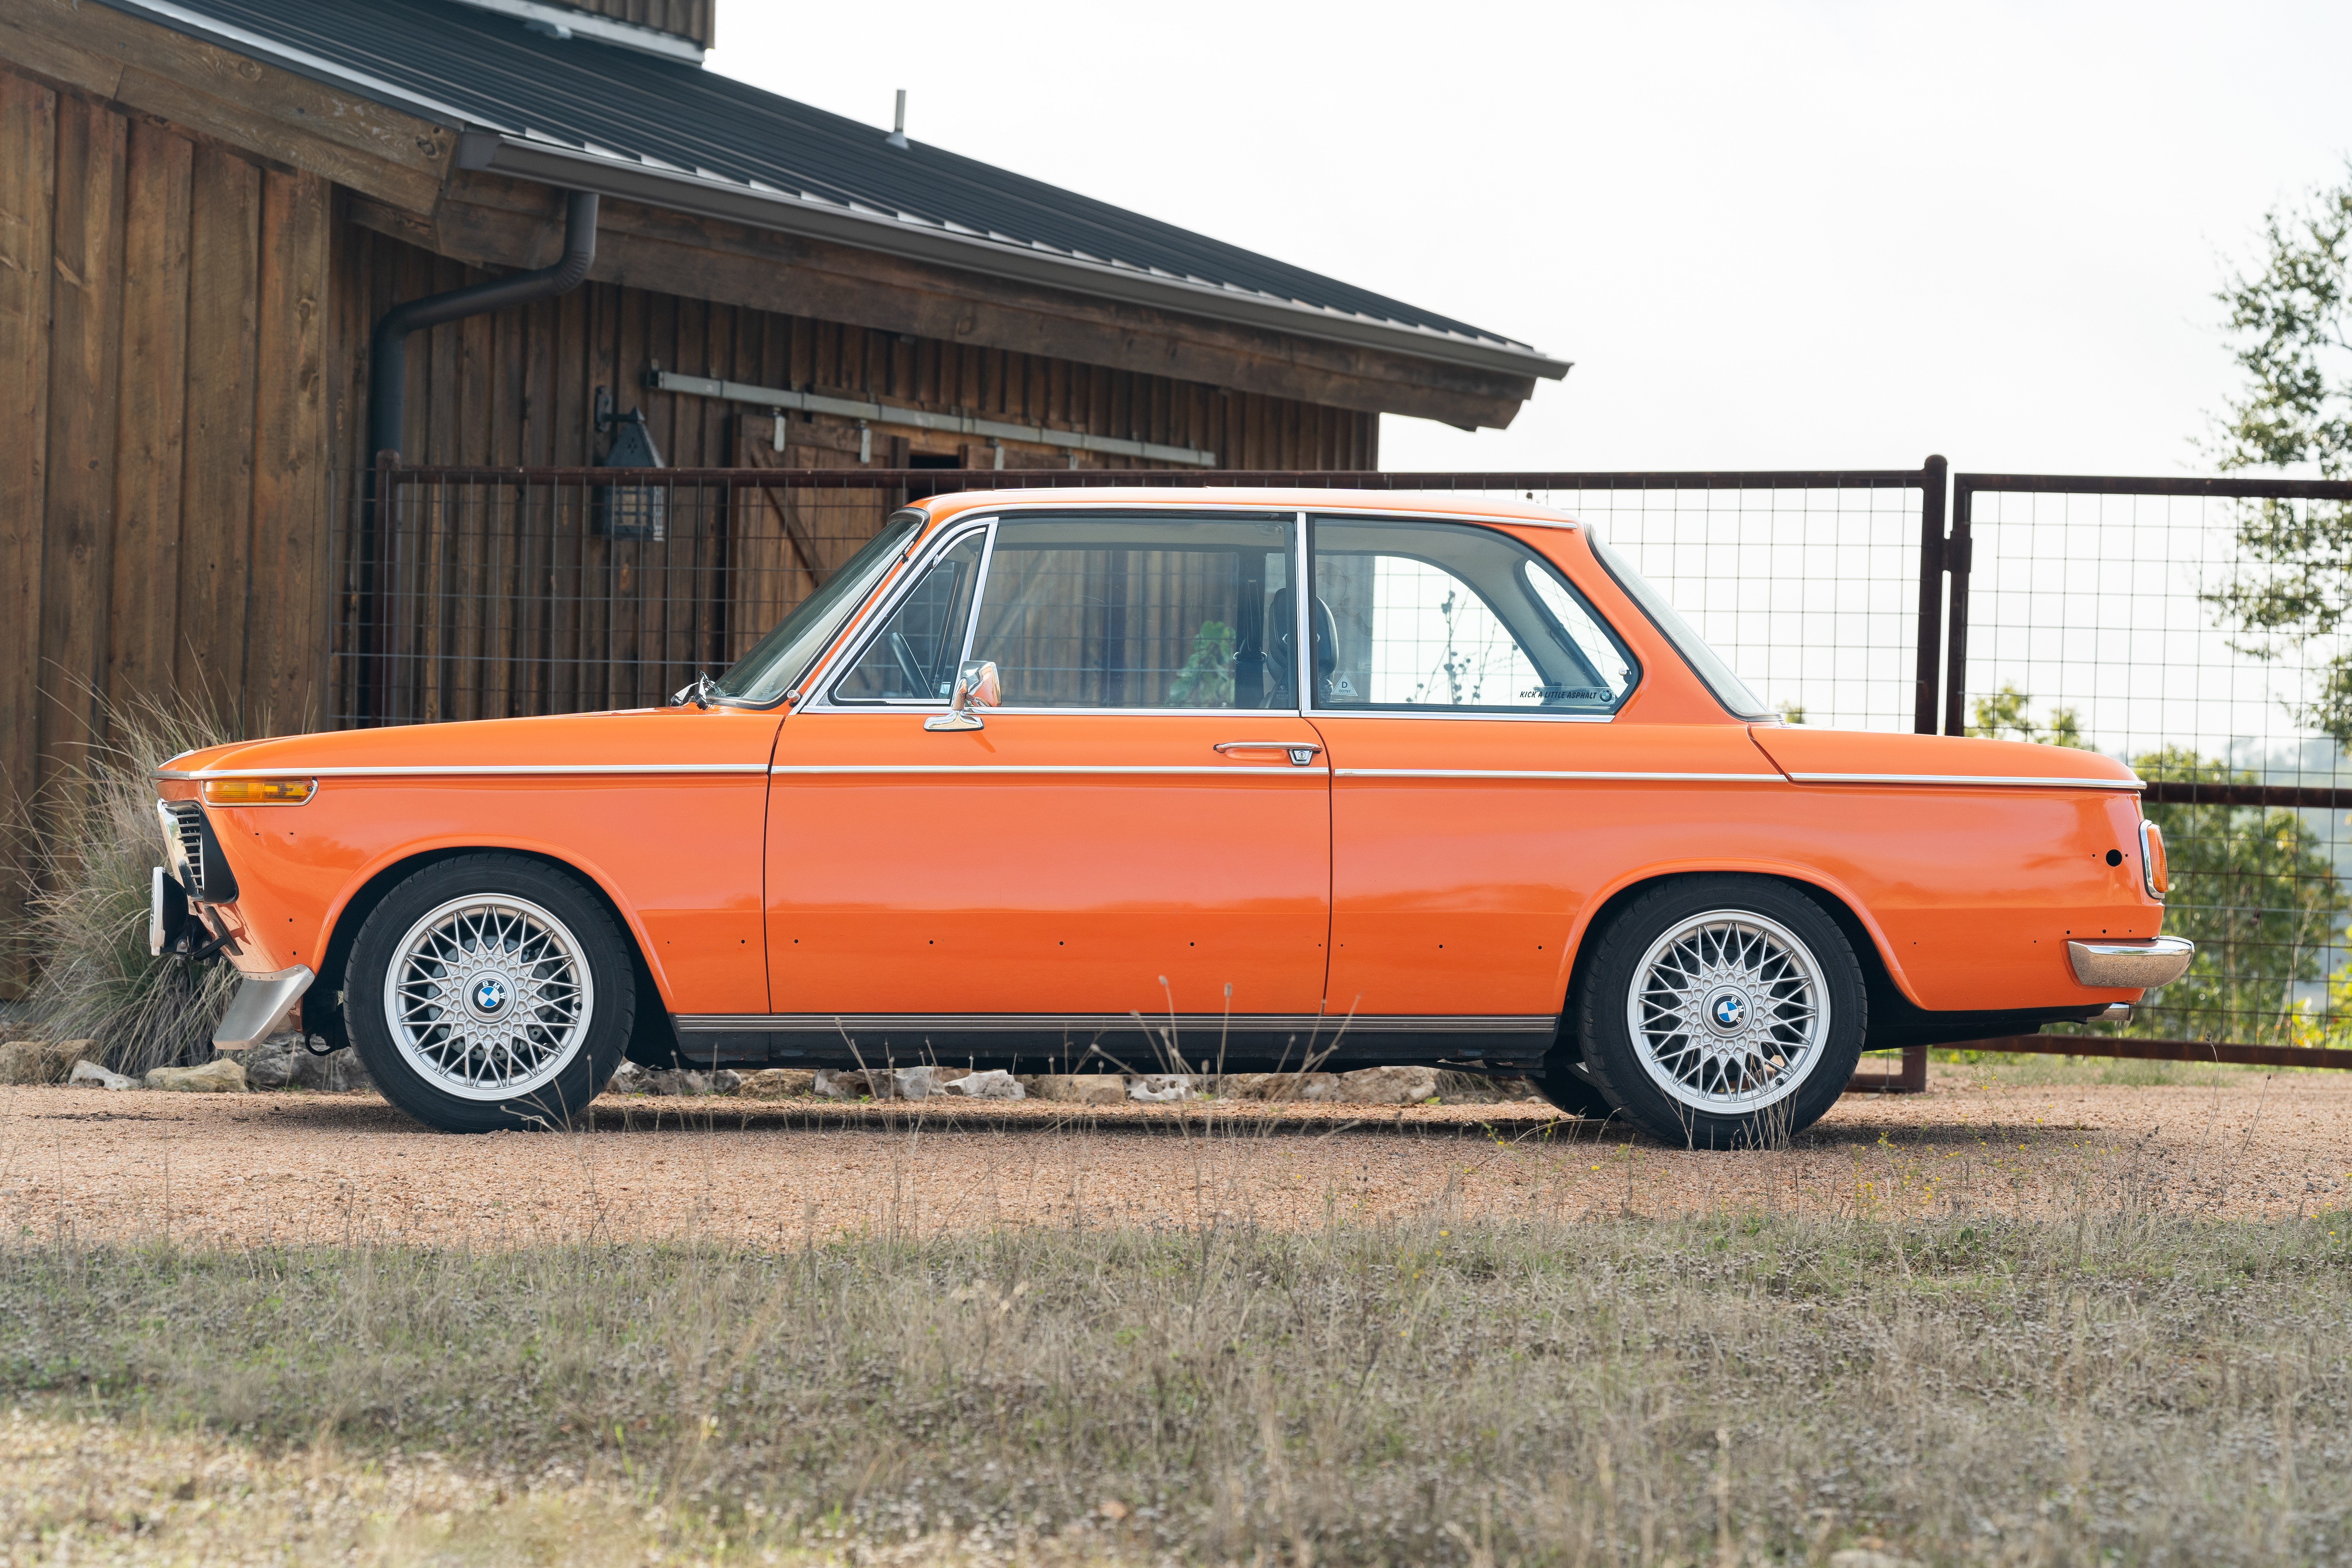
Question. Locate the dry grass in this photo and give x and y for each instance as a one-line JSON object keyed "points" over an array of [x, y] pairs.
{"points": [[96, 841], [2127, 1386]]}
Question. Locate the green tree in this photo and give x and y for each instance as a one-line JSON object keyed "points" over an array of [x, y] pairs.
{"points": [[2291, 320], [2008, 715], [2253, 888]]}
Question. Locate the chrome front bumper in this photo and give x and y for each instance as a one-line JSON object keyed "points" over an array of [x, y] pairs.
{"points": [[2131, 965], [259, 1004]]}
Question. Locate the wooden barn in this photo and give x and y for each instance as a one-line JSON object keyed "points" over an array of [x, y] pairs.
{"points": [[210, 208]]}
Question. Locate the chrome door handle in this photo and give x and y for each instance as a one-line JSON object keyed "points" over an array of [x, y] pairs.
{"points": [[1302, 753]]}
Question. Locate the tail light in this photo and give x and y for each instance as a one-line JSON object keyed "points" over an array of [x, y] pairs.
{"points": [[2154, 872]]}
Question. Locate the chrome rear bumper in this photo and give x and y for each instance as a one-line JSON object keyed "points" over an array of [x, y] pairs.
{"points": [[2131, 965]]}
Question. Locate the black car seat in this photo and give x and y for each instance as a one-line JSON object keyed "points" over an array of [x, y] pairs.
{"points": [[1282, 639]]}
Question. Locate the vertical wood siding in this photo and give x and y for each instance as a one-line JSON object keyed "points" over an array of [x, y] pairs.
{"points": [[516, 387], [164, 523], [494, 599]]}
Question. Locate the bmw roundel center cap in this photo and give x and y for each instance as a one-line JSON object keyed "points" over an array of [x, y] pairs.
{"points": [[489, 994], [1726, 1010]]}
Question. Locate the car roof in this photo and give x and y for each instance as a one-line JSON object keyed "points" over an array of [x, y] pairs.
{"points": [[1446, 503]]}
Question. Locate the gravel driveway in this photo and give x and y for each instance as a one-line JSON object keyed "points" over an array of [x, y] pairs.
{"points": [[296, 1167]]}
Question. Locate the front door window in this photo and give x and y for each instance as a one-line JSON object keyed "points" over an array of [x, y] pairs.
{"points": [[1125, 613]]}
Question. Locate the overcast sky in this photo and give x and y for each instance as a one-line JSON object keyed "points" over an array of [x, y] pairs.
{"points": [[1773, 236]]}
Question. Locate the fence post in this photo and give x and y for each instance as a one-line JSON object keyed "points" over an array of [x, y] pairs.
{"points": [[1931, 592], [1956, 554]]}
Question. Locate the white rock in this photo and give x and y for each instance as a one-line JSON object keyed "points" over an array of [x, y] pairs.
{"points": [[1159, 1086], [1082, 1089], [91, 1072], [916, 1083], [627, 1078], [1387, 1085], [851, 1083], [993, 1084], [1281, 1084]]}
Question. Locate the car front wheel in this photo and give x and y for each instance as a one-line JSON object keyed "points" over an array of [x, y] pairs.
{"points": [[1722, 1012], [488, 992]]}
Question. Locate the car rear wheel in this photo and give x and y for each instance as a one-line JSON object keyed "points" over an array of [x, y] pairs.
{"points": [[489, 992], [1722, 1012]]}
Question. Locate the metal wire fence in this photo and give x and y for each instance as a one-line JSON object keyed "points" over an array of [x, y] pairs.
{"points": [[2169, 623], [2183, 626], [488, 592]]}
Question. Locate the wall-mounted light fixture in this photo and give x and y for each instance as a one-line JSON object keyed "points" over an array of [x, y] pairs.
{"points": [[629, 510]]}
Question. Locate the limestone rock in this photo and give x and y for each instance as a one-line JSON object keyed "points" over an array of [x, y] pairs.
{"points": [[1281, 1084], [686, 1081], [42, 1061], [1082, 1089], [916, 1083], [1387, 1085], [223, 1075], [92, 1073], [778, 1083], [990, 1085], [270, 1063], [337, 1072], [849, 1083], [627, 1078], [1162, 1086]]}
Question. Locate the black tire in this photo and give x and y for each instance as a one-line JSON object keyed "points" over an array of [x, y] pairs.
{"points": [[1745, 1041], [544, 958], [1563, 1081]]}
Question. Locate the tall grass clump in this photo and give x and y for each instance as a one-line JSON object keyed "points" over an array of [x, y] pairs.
{"points": [[95, 840]]}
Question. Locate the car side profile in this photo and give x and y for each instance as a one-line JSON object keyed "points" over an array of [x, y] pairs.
{"points": [[1254, 778]]}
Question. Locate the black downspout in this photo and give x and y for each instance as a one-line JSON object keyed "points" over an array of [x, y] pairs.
{"points": [[388, 349], [388, 389]]}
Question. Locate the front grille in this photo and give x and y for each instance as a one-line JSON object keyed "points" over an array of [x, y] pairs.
{"points": [[208, 880]]}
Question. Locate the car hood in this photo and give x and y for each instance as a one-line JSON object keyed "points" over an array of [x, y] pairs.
{"points": [[1809, 755], [570, 740]]}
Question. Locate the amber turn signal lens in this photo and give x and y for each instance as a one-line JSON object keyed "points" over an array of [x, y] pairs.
{"points": [[2154, 867], [259, 791]]}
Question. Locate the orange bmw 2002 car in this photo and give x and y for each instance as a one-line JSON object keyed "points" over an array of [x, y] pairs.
{"points": [[1043, 776]]}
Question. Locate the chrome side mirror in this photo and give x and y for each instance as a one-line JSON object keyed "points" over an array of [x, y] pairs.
{"points": [[976, 686]]}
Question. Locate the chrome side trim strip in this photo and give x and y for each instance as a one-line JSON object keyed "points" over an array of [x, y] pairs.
{"points": [[474, 771], [983, 769], [1586, 777], [1990, 780], [1036, 1023]]}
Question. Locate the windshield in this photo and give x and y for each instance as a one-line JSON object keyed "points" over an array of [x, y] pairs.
{"points": [[1728, 689], [784, 656]]}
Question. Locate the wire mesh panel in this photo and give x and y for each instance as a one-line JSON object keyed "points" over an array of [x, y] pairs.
{"points": [[486, 594], [2184, 627], [483, 592], [1810, 590]]}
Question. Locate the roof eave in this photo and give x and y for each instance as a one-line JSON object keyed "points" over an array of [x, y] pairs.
{"points": [[628, 180]]}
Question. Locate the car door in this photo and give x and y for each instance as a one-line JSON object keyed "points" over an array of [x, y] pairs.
{"points": [[1140, 826], [1466, 691]]}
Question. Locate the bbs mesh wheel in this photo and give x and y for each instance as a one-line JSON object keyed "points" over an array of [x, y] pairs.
{"points": [[1722, 1012], [488, 992]]}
